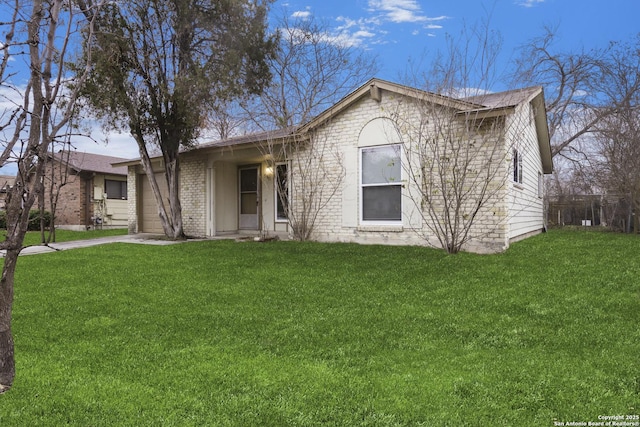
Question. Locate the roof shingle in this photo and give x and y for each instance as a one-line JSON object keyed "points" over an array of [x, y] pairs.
{"points": [[90, 162]]}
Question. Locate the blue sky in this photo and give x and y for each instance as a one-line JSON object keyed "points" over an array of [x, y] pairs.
{"points": [[397, 30]]}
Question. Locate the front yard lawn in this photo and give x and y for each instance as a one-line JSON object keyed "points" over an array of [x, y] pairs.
{"points": [[225, 333]]}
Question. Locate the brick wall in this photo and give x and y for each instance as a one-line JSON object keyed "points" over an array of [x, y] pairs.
{"points": [[338, 217], [70, 209], [132, 199], [192, 196]]}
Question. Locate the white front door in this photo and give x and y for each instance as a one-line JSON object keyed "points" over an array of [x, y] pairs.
{"points": [[249, 185]]}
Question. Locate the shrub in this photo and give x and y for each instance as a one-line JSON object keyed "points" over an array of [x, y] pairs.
{"points": [[34, 220]]}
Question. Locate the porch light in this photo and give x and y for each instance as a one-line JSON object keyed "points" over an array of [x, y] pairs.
{"points": [[268, 171]]}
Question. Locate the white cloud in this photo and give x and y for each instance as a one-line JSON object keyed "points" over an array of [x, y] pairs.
{"points": [[529, 3], [348, 39], [369, 30], [404, 12], [399, 11], [340, 37], [363, 34], [301, 14], [356, 32], [348, 22]]}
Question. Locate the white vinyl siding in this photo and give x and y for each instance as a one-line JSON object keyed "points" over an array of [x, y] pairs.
{"points": [[526, 207]]}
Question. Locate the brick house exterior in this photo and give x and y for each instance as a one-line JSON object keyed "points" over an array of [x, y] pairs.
{"points": [[82, 181], [6, 182], [230, 186]]}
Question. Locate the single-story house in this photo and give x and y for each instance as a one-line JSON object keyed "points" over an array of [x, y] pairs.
{"points": [[359, 167], [92, 192]]}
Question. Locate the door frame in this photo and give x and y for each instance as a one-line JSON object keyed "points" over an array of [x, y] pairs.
{"points": [[241, 223]]}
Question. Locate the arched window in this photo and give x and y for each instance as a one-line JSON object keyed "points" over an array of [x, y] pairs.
{"points": [[380, 173]]}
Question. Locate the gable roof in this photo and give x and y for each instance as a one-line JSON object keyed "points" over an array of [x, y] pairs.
{"points": [[509, 98], [491, 104], [512, 98], [89, 162]]}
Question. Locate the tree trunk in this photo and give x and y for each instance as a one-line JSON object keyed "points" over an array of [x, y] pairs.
{"points": [[7, 361], [175, 209], [171, 221], [635, 212]]}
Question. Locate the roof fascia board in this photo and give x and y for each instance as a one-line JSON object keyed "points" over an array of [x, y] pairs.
{"points": [[133, 162], [486, 113], [542, 131]]}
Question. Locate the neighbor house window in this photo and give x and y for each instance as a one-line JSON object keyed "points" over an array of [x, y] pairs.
{"points": [[115, 189], [381, 184], [282, 191], [517, 166]]}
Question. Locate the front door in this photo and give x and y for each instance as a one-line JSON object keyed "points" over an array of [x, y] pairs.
{"points": [[249, 185]]}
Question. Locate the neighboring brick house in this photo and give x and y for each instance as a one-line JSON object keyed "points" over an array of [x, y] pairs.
{"points": [[6, 182], [92, 193], [231, 186]]}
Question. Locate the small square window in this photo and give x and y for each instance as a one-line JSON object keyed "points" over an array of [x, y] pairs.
{"points": [[115, 189]]}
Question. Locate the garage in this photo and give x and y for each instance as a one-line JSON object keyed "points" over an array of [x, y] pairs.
{"points": [[149, 220]]}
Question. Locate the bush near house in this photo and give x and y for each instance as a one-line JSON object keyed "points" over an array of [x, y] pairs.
{"points": [[34, 219], [224, 333]]}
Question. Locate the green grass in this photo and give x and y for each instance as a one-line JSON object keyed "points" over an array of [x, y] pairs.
{"points": [[34, 238], [290, 334]]}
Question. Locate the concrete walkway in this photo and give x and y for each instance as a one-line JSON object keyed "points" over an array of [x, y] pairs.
{"points": [[145, 239]]}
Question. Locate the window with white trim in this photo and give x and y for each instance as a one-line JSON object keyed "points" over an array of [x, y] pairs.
{"points": [[281, 182], [517, 166], [381, 185]]}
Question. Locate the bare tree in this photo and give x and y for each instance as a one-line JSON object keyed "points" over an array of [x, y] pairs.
{"points": [[591, 100], [227, 119], [44, 112], [311, 71], [309, 172], [619, 171], [460, 141], [618, 136], [569, 81], [578, 88]]}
